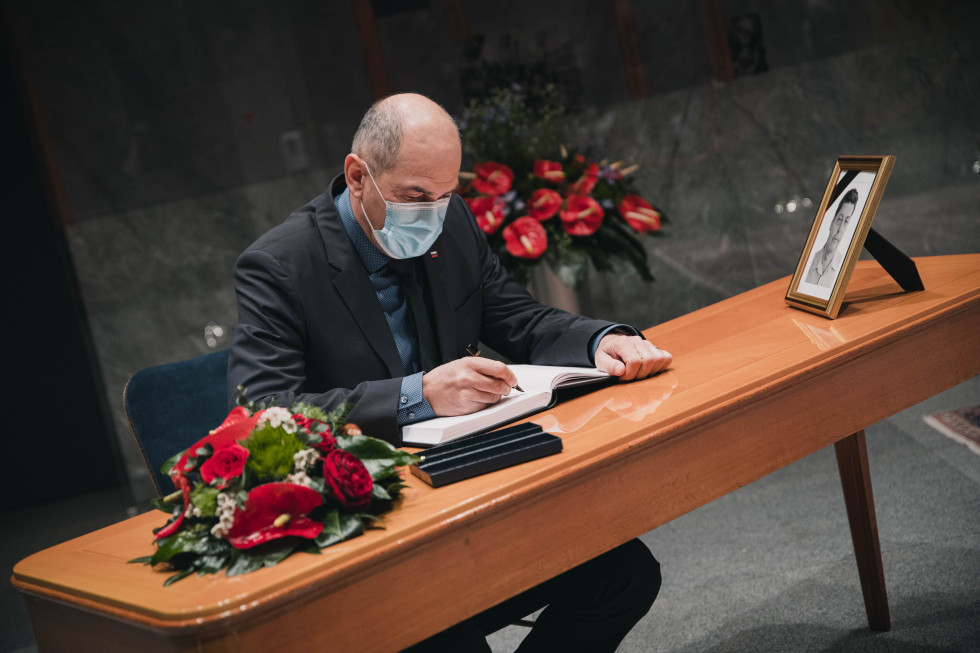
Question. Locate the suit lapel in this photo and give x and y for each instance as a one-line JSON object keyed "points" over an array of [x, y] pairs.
{"points": [[444, 319], [353, 285]]}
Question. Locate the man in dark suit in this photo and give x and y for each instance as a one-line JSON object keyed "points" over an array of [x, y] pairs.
{"points": [[373, 292]]}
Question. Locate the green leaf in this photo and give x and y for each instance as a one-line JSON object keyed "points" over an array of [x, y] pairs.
{"points": [[380, 469], [212, 564], [278, 550], [365, 447], [379, 492], [395, 488], [337, 418], [373, 519], [170, 462], [311, 411], [196, 540], [242, 562], [183, 573], [308, 546], [144, 559], [349, 526], [331, 523], [317, 484], [170, 546]]}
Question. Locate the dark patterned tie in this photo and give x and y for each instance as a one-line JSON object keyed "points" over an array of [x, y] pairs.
{"points": [[405, 269]]}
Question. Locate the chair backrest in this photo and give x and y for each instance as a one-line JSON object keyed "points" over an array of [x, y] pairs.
{"points": [[172, 406]]}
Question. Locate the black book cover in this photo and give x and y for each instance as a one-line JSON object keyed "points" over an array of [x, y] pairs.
{"points": [[476, 455]]}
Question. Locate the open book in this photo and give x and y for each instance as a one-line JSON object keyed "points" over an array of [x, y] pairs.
{"points": [[539, 383]]}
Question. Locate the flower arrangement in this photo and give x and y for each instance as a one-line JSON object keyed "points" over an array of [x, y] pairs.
{"points": [[269, 482], [537, 201]]}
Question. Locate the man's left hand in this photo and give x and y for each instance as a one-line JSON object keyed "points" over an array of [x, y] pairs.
{"points": [[630, 357]]}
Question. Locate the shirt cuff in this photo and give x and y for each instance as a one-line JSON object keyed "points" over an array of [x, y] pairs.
{"points": [[412, 406], [624, 329]]}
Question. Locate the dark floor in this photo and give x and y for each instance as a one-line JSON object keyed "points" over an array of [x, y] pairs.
{"points": [[766, 568]]}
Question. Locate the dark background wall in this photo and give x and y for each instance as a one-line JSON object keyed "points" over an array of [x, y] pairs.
{"points": [[59, 442], [179, 131]]}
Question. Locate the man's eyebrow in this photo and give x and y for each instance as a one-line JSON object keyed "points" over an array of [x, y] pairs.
{"points": [[412, 190], [421, 191]]}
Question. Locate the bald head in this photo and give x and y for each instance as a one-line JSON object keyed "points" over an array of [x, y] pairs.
{"points": [[406, 151], [390, 122]]}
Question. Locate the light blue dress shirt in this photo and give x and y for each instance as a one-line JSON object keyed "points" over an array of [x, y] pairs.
{"points": [[412, 406]]}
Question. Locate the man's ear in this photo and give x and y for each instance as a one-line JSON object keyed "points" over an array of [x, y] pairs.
{"points": [[355, 175]]}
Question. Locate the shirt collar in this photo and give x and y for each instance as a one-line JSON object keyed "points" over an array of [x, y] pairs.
{"points": [[374, 259]]}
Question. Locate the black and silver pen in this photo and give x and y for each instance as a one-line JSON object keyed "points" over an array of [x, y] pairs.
{"points": [[476, 352]]}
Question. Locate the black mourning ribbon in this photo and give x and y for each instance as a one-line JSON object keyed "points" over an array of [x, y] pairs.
{"points": [[901, 268], [406, 271]]}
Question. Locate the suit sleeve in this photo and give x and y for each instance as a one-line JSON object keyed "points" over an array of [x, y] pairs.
{"points": [[267, 353]]}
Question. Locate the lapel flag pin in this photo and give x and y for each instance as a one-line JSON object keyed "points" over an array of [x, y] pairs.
{"points": [[434, 254]]}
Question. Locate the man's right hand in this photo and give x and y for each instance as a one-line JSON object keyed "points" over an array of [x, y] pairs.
{"points": [[466, 385]]}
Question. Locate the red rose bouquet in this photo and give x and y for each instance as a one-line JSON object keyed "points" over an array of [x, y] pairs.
{"points": [[537, 202], [268, 482]]}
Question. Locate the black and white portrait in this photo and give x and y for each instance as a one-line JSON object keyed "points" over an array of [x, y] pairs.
{"points": [[835, 235]]}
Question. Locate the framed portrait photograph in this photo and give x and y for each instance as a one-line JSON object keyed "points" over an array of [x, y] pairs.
{"points": [[838, 233]]}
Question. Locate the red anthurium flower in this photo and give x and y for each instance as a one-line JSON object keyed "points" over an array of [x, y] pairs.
{"points": [[272, 511], [348, 479], [492, 178], [544, 203], [236, 427], [525, 238], [640, 214], [582, 217], [225, 463], [584, 184], [549, 170], [489, 215], [185, 488]]}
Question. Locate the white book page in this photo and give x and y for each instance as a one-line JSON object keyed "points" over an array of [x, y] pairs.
{"points": [[533, 378], [537, 381]]}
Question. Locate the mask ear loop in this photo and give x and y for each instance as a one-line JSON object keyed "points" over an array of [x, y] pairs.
{"points": [[375, 184], [371, 177]]}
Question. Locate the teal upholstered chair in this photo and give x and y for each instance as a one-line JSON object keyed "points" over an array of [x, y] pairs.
{"points": [[172, 406]]}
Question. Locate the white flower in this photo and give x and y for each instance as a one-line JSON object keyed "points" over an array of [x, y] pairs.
{"points": [[277, 417], [220, 529], [304, 458], [226, 514], [300, 478]]}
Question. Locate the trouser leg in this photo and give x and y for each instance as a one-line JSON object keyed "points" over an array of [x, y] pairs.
{"points": [[461, 638], [590, 608]]}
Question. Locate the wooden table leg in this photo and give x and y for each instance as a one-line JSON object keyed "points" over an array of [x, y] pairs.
{"points": [[852, 461]]}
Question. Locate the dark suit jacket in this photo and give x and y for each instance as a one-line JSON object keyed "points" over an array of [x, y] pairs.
{"points": [[310, 327]]}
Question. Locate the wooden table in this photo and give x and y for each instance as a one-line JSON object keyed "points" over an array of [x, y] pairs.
{"points": [[755, 386]]}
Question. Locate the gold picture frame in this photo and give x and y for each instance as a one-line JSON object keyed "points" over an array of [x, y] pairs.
{"points": [[837, 235]]}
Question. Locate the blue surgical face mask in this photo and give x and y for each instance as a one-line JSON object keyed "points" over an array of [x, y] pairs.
{"points": [[410, 228]]}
